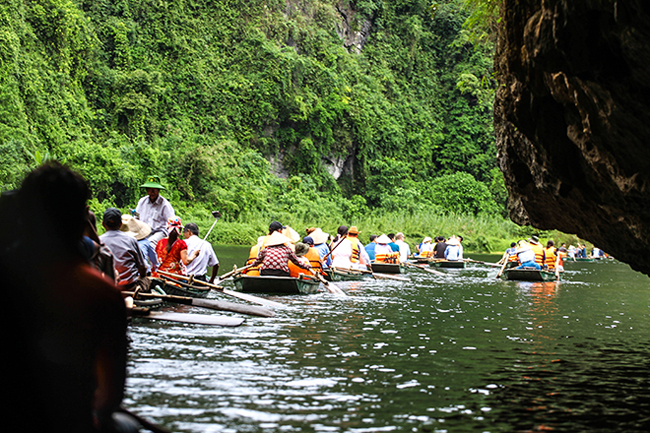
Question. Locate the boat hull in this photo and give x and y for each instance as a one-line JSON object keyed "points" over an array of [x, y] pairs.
{"points": [[528, 275], [387, 268], [345, 275], [276, 285], [455, 264]]}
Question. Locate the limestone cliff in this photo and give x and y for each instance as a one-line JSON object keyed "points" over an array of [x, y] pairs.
{"points": [[572, 118]]}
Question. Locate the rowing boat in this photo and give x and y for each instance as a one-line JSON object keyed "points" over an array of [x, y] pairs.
{"points": [[528, 275], [387, 268], [419, 259], [304, 285], [338, 274], [179, 288], [455, 264]]}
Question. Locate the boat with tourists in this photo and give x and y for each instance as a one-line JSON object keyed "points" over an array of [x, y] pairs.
{"points": [[387, 268], [267, 284]]}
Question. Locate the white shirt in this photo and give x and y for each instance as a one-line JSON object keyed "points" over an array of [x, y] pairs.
{"points": [[341, 254], [404, 250], [206, 258], [155, 214]]}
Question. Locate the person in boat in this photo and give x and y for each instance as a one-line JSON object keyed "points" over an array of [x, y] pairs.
{"points": [[254, 252], [206, 258], [452, 252], [342, 249], [320, 244], [383, 251], [526, 256], [510, 256], [370, 248], [312, 255], [404, 248], [98, 254], [571, 253], [301, 250], [439, 248], [425, 248], [172, 250], [460, 245], [68, 339], [552, 256], [154, 210], [140, 231], [359, 258], [538, 249], [274, 257], [129, 261], [392, 243]]}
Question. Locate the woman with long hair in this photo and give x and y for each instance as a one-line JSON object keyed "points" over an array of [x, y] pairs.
{"points": [[172, 250]]}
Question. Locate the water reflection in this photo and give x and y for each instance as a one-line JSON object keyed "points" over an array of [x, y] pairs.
{"points": [[459, 352]]}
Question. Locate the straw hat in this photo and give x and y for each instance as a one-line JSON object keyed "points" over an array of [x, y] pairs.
{"points": [[291, 234], [353, 230], [319, 236], [383, 239], [427, 239], [152, 182], [277, 238], [523, 246], [453, 240], [134, 227]]}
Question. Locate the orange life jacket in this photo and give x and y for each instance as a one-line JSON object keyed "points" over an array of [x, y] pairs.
{"points": [[356, 253], [252, 256], [387, 258], [539, 253], [551, 257]]}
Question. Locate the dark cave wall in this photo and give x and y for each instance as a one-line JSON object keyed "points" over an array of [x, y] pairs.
{"points": [[572, 119]]}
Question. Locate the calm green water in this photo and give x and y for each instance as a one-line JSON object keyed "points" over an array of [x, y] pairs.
{"points": [[461, 352]]}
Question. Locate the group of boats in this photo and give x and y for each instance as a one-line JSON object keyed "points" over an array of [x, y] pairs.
{"points": [[175, 289]]}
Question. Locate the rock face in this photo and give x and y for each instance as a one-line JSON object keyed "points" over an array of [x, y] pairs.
{"points": [[572, 118]]}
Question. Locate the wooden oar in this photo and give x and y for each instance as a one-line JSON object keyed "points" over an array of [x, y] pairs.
{"points": [[206, 303], [385, 276], [422, 268], [557, 265], [496, 265], [505, 263], [143, 422], [243, 296], [233, 272], [199, 319], [331, 287]]}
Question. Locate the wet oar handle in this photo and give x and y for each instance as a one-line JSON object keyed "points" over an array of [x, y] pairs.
{"points": [[505, 262], [337, 244], [170, 276], [233, 272]]}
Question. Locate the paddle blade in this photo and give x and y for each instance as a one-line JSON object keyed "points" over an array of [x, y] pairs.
{"points": [[230, 306], [199, 319]]}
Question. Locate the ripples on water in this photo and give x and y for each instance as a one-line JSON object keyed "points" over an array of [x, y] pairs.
{"points": [[461, 352]]}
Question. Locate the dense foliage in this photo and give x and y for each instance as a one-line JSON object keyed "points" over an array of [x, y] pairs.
{"points": [[218, 97]]}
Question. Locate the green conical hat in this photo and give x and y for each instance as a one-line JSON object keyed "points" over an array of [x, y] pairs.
{"points": [[153, 182]]}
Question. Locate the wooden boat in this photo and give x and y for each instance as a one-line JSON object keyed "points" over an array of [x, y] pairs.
{"points": [[419, 259], [338, 274], [579, 259], [277, 285], [455, 264], [387, 268], [528, 275], [179, 288]]}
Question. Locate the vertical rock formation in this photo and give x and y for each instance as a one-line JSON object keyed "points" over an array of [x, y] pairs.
{"points": [[572, 118]]}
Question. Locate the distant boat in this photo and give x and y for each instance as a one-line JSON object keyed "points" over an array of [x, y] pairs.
{"points": [[387, 268], [277, 285], [528, 275]]}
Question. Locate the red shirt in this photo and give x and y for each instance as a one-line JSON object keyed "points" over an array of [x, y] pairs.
{"points": [[170, 261]]}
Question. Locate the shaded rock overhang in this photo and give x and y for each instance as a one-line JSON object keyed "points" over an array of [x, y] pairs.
{"points": [[572, 119]]}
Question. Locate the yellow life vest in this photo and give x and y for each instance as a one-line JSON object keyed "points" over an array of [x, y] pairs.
{"points": [[551, 257], [539, 253], [252, 256]]}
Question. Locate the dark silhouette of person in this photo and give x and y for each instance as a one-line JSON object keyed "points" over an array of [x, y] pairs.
{"points": [[67, 334]]}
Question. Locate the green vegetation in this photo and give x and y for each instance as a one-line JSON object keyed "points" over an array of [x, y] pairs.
{"points": [[206, 93]]}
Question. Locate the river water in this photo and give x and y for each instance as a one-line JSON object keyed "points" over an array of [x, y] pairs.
{"points": [[464, 352]]}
